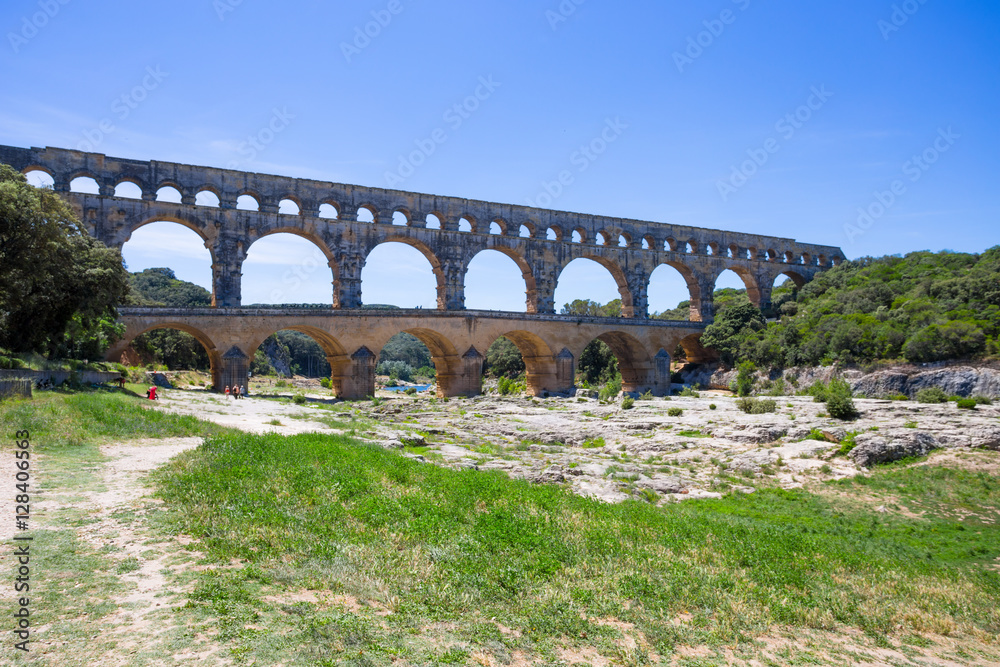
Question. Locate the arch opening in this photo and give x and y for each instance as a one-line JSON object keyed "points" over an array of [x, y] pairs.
{"points": [[733, 286], [593, 286], [247, 203], [672, 290], [366, 214], [432, 221], [288, 269], [492, 280], [524, 232], [84, 185], [401, 274], [40, 178], [168, 246], [404, 360], [288, 207], [464, 225], [168, 194], [553, 234], [328, 211], [400, 219], [496, 229], [207, 198], [128, 190], [296, 351]]}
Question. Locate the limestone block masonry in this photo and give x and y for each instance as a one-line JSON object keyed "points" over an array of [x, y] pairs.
{"points": [[450, 232]]}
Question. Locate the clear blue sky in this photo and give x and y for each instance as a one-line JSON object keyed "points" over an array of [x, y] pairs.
{"points": [[887, 81]]}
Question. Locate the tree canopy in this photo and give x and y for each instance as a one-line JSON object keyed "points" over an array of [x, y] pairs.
{"points": [[59, 286]]}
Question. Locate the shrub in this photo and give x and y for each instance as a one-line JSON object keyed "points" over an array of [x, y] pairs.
{"points": [[899, 397], [839, 401], [745, 378], [410, 391], [611, 389], [690, 392], [675, 412], [818, 390], [326, 383], [756, 406], [847, 444], [932, 395], [506, 386], [711, 406], [966, 404], [627, 403], [425, 372], [982, 400], [298, 399]]}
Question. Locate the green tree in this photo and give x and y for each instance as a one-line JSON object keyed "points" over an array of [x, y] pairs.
{"points": [[598, 362], [732, 328], [503, 359], [59, 286]]}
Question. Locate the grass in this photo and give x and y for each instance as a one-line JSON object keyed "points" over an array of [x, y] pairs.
{"points": [[455, 554], [62, 418]]}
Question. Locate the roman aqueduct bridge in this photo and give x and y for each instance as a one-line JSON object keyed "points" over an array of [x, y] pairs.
{"points": [[347, 222]]}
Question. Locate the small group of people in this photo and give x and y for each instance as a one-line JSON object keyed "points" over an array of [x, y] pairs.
{"points": [[236, 391]]}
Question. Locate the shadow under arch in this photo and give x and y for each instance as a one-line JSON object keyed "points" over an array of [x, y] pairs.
{"points": [[530, 287], [116, 351], [636, 366], [429, 255], [449, 362], [628, 308], [543, 370]]}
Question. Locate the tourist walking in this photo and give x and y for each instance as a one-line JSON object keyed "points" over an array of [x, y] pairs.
{"points": [[227, 391], [236, 392]]}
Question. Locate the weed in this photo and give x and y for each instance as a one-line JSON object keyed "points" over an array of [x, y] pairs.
{"points": [[674, 412], [756, 406]]}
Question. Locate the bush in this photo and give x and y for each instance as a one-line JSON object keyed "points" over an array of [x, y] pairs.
{"points": [[506, 386], [745, 378], [839, 400], [711, 406], [847, 444], [818, 391], [932, 395], [756, 406], [410, 391], [326, 383], [298, 399], [690, 392], [611, 389], [966, 404], [899, 397], [425, 372], [627, 403], [982, 400], [674, 412]]}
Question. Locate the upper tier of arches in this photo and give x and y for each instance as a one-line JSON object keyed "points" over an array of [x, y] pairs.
{"points": [[334, 203]]}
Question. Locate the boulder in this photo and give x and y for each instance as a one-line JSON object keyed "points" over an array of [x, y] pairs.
{"points": [[663, 484], [874, 447]]}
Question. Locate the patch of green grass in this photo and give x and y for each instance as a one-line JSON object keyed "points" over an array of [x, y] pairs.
{"points": [[459, 546], [693, 434], [57, 419], [593, 443]]}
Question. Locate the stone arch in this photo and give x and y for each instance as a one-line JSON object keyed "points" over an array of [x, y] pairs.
{"points": [[365, 211], [634, 362], [86, 179], [526, 230], [341, 372], [169, 193], [433, 220], [325, 213], [448, 360], [690, 281], [502, 226], [530, 286], [579, 235], [199, 227], [617, 275], [539, 362], [554, 233], [122, 189], [115, 353], [749, 282], [796, 277], [624, 240], [694, 351], [206, 193], [244, 198], [467, 223], [39, 176], [308, 266], [283, 207], [427, 252], [401, 217]]}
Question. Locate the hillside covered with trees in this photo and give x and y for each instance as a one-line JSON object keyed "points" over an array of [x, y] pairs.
{"points": [[921, 307]]}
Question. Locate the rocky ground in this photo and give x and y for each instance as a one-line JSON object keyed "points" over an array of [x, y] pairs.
{"points": [[606, 451]]}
